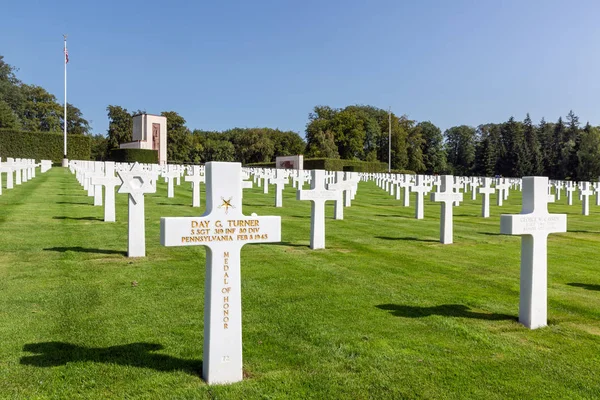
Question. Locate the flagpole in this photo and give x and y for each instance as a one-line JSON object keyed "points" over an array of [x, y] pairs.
{"points": [[65, 118]]}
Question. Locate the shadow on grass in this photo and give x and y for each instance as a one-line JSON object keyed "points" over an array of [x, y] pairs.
{"points": [[587, 286], [446, 310], [80, 218], [52, 354], [394, 216], [492, 234], [80, 249], [580, 231], [407, 238], [73, 202], [290, 244]]}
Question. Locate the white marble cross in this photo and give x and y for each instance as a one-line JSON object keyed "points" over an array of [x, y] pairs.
{"points": [[109, 181], [485, 191], [501, 186], [405, 185], [585, 194], [136, 182], [534, 224], [196, 178], [448, 197], [98, 172], [223, 229], [344, 186], [9, 169], [170, 176], [570, 189], [318, 195], [419, 188], [280, 180]]}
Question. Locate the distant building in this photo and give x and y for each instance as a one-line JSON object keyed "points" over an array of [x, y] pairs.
{"points": [[149, 133]]}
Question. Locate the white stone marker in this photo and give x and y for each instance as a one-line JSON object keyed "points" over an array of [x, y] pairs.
{"points": [[109, 181], [534, 224], [420, 189], [171, 175], [448, 197], [196, 179], [570, 189], [318, 195], [223, 229], [485, 192], [97, 188], [344, 187], [9, 173], [280, 180], [136, 183], [585, 194]]}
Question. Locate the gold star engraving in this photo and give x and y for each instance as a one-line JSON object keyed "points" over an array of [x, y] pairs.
{"points": [[226, 204]]}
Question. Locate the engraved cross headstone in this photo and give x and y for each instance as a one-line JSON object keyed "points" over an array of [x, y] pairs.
{"points": [[448, 197], [534, 224], [485, 193], [136, 182], [318, 195], [280, 180], [419, 188], [585, 193], [109, 181], [196, 178], [223, 229]]}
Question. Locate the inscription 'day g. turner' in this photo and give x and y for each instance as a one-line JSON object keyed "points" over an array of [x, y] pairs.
{"points": [[202, 231]]}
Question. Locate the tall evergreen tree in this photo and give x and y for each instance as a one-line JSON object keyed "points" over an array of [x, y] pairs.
{"points": [[460, 149], [536, 166], [588, 167], [571, 143]]}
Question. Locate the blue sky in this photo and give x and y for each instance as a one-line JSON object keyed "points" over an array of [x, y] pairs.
{"points": [[223, 64]]}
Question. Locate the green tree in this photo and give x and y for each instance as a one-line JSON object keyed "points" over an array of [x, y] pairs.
{"points": [[322, 145], [460, 148], [434, 156], [487, 150], [42, 112], [8, 118], [99, 150], [536, 164], [570, 147], [588, 167], [120, 126], [415, 150], [252, 145], [558, 170], [179, 138], [219, 150], [76, 124], [286, 143], [515, 162], [545, 135]]}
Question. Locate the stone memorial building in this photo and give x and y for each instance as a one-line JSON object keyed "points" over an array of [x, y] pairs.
{"points": [[149, 133]]}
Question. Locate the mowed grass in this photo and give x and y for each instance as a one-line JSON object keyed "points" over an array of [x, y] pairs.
{"points": [[385, 312]]}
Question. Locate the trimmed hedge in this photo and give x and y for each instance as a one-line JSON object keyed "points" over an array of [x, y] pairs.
{"points": [[334, 164], [132, 155], [43, 145]]}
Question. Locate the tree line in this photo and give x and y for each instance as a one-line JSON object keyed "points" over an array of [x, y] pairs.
{"points": [[561, 150], [32, 108]]}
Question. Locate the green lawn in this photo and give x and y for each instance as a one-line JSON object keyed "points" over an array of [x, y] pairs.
{"points": [[384, 312]]}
